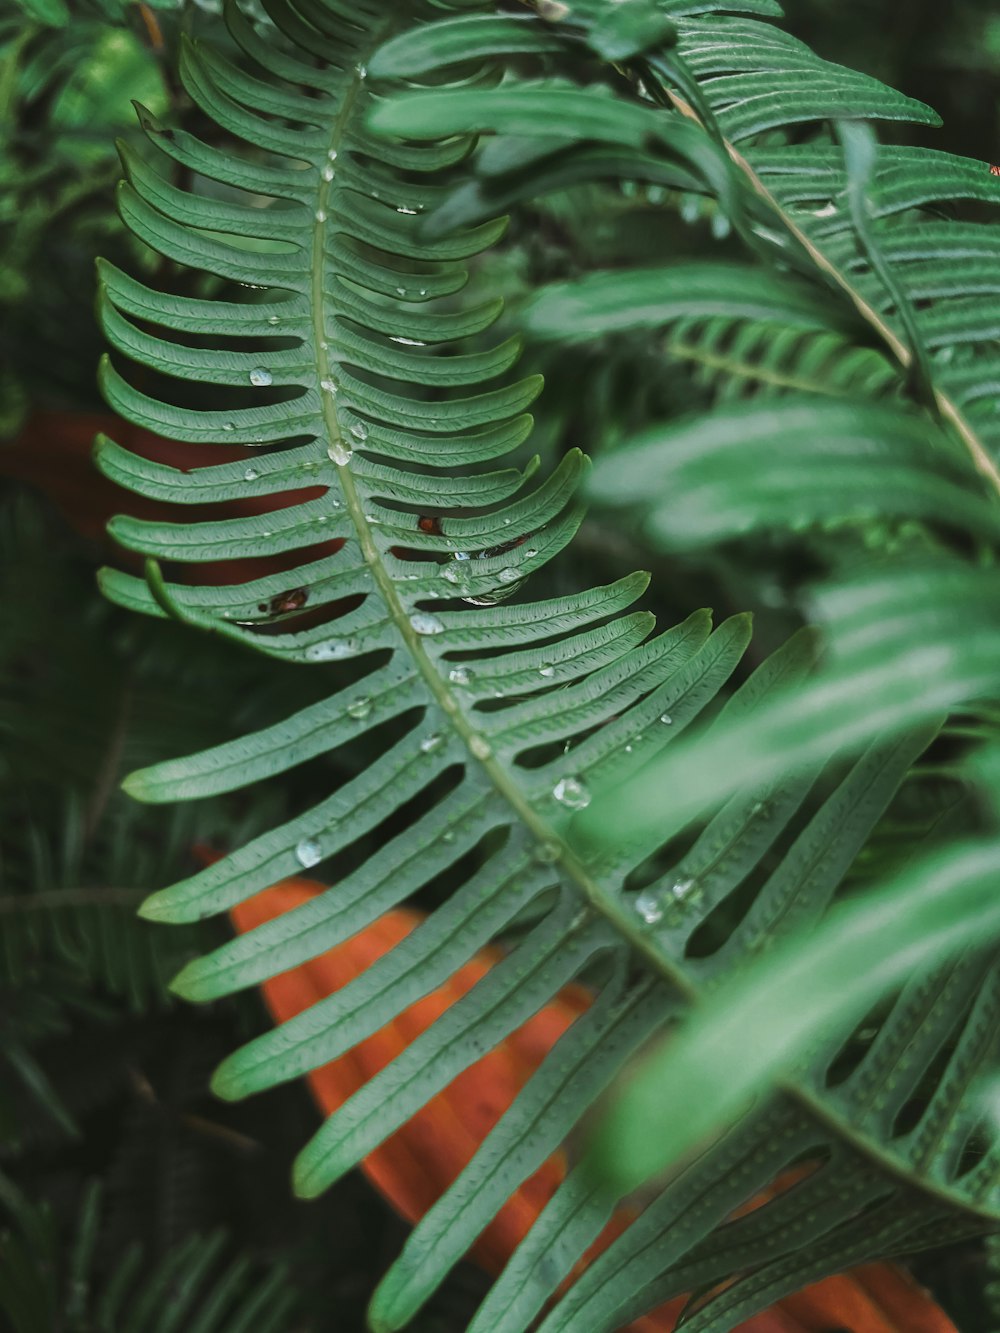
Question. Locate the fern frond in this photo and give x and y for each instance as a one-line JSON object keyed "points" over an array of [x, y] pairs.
{"points": [[492, 726]]}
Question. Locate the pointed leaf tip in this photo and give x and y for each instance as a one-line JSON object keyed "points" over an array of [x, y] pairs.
{"points": [[306, 1181], [189, 983], [154, 908], [225, 1083]]}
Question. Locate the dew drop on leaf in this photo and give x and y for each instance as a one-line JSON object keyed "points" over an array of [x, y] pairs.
{"points": [[339, 453], [649, 908], [480, 746], [327, 173], [546, 853], [425, 623], [548, 670], [333, 650], [359, 430], [508, 575], [359, 708], [572, 792], [260, 377], [251, 474], [431, 743], [461, 675], [666, 719], [308, 853]]}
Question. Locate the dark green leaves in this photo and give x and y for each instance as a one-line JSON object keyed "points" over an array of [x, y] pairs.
{"points": [[788, 464]]}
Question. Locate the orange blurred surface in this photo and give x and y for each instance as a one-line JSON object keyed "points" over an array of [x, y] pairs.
{"points": [[414, 1167]]}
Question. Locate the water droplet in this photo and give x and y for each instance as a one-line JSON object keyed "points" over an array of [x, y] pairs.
{"points": [[572, 792], [321, 215], [228, 425], [333, 650], [273, 319], [448, 835], [508, 575], [548, 670], [308, 853], [461, 555], [431, 743], [480, 746], [401, 208], [461, 675], [530, 553], [251, 474], [424, 623], [328, 386], [332, 154], [666, 719], [450, 574], [681, 889], [327, 173], [827, 211], [260, 377], [359, 430], [649, 908], [546, 853], [339, 453], [359, 708], [422, 291], [361, 71], [408, 342], [400, 291]]}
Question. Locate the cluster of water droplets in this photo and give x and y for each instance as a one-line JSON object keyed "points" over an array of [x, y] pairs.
{"points": [[652, 905]]}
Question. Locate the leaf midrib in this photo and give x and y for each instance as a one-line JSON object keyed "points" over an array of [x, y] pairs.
{"points": [[616, 913], [982, 461]]}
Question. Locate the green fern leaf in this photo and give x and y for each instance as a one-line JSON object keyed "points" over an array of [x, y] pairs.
{"points": [[498, 729]]}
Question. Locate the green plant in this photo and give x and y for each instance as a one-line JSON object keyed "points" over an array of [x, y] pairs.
{"points": [[540, 770]]}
